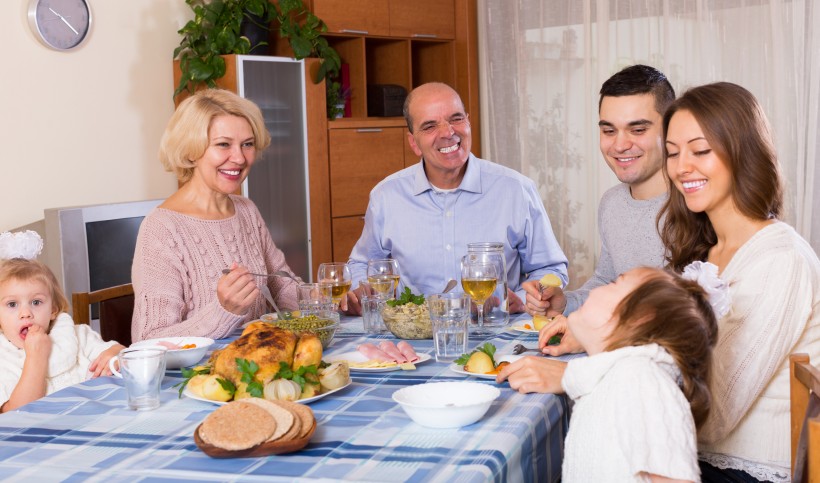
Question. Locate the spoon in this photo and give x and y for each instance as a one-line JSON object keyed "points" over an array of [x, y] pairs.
{"points": [[449, 286], [266, 293]]}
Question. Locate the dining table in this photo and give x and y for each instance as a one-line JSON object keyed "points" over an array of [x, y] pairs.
{"points": [[86, 432]]}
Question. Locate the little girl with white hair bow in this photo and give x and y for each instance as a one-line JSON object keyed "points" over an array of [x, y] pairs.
{"points": [[41, 349]]}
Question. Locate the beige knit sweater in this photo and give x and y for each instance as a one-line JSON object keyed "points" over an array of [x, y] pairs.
{"points": [[774, 281], [178, 261]]}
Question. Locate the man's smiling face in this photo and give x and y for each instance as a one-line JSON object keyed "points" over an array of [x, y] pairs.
{"points": [[631, 137]]}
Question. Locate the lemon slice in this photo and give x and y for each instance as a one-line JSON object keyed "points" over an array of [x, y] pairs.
{"points": [[550, 280]]}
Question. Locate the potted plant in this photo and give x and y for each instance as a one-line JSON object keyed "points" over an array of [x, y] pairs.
{"points": [[216, 30], [336, 99]]}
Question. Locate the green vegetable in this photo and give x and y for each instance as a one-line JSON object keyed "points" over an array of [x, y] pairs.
{"points": [[487, 348], [249, 370], [188, 374], [297, 376], [554, 340], [407, 297]]}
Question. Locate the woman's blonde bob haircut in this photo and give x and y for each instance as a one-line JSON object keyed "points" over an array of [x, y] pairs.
{"points": [[186, 136]]}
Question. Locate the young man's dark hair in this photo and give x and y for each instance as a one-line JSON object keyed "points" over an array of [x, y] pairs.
{"points": [[639, 79]]}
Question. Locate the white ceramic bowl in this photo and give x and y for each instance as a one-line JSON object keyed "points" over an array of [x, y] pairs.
{"points": [[177, 358], [446, 404]]}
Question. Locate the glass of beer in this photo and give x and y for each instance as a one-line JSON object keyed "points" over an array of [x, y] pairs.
{"points": [[478, 279], [383, 277], [337, 274]]}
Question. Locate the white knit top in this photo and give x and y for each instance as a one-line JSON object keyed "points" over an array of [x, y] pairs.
{"points": [[774, 282], [179, 260], [630, 416], [73, 349]]}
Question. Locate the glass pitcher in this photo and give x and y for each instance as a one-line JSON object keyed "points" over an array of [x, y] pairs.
{"points": [[497, 313]]}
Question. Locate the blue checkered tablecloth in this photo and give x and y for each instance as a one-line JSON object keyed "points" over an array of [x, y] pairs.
{"points": [[86, 433]]}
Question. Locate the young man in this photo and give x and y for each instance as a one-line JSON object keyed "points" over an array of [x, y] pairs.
{"points": [[630, 108], [424, 216]]}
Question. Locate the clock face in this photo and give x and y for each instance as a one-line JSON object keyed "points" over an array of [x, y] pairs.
{"points": [[60, 24]]}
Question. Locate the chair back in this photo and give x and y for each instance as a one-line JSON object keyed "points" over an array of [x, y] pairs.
{"points": [[805, 419], [116, 309]]}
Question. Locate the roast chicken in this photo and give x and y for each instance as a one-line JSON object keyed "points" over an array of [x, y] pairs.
{"points": [[267, 346]]}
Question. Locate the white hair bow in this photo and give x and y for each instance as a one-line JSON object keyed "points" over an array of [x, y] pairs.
{"points": [[22, 244], [706, 275]]}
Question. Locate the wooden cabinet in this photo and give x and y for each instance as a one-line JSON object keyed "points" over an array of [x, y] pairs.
{"points": [[346, 232], [422, 19], [362, 17], [359, 159]]}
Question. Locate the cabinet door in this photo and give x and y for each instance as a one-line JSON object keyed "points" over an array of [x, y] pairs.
{"points": [[359, 159], [346, 232], [363, 17], [423, 18]]}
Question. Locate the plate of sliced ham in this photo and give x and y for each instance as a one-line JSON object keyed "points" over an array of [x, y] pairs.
{"points": [[384, 357]]}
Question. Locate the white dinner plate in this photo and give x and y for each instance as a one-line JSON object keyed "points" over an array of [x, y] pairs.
{"points": [[521, 328], [188, 393], [356, 356], [458, 369]]}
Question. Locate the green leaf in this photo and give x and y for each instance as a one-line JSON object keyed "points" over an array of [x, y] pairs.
{"points": [[227, 385], [256, 389], [406, 297], [188, 374]]}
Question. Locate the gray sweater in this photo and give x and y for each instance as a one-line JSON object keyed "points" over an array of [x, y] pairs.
{"points": [[629, 239]]}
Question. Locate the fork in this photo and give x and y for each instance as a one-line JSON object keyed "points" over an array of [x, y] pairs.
{"points": [[278, 273], [518, 349]]}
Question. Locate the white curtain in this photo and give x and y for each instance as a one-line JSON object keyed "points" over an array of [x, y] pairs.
{"points": [[543, 61]]}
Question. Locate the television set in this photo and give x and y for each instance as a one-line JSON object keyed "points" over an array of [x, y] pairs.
{"points": [[92, 247]]}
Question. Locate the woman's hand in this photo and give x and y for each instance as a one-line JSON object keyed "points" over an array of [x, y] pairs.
{"points": [[534, 374], [237, 290], [558, 326], [99, 367]]}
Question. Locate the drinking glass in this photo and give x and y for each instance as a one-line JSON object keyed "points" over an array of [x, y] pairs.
{"points": [[142, 370], [383, 276], [478, 278], [338, 275], [314, 297], [449, 314]]}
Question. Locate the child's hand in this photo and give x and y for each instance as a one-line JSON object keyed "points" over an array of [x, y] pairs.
{"points": [[37, 343], [568, 344], [99, 367]]}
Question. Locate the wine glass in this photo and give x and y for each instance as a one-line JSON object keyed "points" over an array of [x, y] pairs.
{"points": [[383, 276], [478, 278], [338, 275]]}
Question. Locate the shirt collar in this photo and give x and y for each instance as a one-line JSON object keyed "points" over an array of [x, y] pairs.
{"points": [[471, 181]]}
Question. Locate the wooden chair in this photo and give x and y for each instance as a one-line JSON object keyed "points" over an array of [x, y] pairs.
{"points": [[116, 309], [805, 423]]}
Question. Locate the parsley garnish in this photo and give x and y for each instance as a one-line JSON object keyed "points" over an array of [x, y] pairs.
{"points": [[297, 376], [188, 374], [407, 297], [249, 370]]}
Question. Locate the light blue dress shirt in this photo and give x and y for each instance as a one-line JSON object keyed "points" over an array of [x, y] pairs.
{"points": [[427, 230]]}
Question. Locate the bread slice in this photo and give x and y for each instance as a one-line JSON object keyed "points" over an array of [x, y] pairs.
{"points": [[284, 418], [303, 412], [237, 426]]}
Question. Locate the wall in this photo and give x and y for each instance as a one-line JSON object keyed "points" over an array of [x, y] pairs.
{"points": [[83, 127]]}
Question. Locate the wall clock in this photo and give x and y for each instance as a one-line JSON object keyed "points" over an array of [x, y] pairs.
{"points": [[60, 24]]}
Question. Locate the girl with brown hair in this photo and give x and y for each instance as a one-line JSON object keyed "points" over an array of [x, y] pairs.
{"points": [[643, 390], [725, 198]]}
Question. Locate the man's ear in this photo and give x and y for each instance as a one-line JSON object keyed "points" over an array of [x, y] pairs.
{"points": [[412, 141]]}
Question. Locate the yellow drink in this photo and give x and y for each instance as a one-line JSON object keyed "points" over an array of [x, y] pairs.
{"points": [[383, 283], [479, 289], [338, 290]]}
